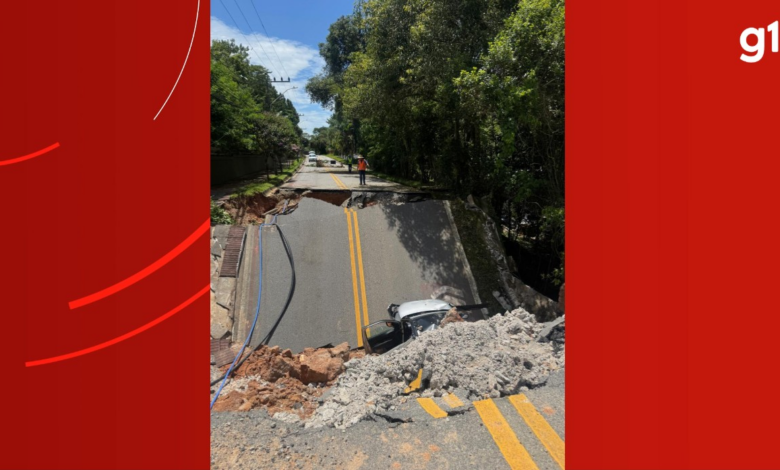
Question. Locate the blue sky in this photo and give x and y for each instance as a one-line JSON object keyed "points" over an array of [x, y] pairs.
{"points": [[291, 46]]}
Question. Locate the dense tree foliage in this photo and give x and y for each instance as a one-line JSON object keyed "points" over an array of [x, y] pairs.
{"points": [[248, 116], [465, 94]]}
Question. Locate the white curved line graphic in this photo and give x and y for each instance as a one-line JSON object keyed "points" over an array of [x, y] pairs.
{"points": [[197, 14]]}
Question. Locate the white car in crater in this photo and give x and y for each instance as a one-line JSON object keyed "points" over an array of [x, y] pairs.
{"points": [[408, 321]]}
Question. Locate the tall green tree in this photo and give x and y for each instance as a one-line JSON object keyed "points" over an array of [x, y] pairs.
{"points": [[466, 94], [246, 110]]}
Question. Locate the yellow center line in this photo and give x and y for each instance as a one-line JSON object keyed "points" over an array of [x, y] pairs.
{"points": [[431, 407], [333, 177], [338, 181], [360, 265], [354, 280], [506, 440], [452, 401], [546, 434]]}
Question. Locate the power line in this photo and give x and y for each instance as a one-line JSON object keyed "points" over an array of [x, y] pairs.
{"points": [[248, 43], [269, 37], [250, 29]]}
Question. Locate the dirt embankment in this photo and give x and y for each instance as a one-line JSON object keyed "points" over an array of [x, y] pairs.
{"points": [[283, 382], [247, 210]]}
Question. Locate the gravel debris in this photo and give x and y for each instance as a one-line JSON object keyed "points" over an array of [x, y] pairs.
{"points": [[485, 359]]}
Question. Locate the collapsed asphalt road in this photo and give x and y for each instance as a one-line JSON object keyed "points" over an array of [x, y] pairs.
{"points": [[350, 265], [494, 399]]}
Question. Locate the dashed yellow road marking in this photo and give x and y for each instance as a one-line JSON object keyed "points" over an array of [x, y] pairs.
{"points": [[415, 384], [354, 280], [546, 434], [431, 407], [452, 401], [360, 265], [514, 453]]}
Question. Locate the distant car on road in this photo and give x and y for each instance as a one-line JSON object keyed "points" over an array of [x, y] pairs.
{"points": [[312, 158]]}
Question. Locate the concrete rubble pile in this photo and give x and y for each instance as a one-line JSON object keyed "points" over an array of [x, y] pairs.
{"points": [[287, 385], [490, 358]]}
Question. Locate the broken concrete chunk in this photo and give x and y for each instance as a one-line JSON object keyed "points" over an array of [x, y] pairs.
{"points": [[550, 326], [216, 249], [470, 203], [504, 303], [322, 367], [341, 351], [221, 323], [226, 290], [221, 234], [214, 268]]}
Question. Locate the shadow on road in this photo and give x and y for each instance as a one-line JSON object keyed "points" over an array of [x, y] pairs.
{"points": [[425, 231]]}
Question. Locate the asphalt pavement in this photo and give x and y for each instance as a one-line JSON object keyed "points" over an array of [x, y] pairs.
{"points": [[312, 177], [399, 253], [349, 265], [522, 431]]}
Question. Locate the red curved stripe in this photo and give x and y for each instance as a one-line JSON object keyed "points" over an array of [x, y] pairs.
{"points": [[31, 155], [144, 272], [125, 336]]}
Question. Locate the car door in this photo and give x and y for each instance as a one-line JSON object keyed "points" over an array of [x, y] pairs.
{"points": [[382, 336]]}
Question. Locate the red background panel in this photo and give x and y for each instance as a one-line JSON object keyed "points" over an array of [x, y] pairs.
{"points": [[672, 170], [120, 192]]}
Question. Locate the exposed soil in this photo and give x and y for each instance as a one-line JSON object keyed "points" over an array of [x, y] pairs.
{"points": [[281, 382], [248, 210], [284, 395], [337, 198]]}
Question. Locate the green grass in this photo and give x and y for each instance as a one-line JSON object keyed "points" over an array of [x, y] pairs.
{"points": [[483, 267], [275, 180], [220, 216]]}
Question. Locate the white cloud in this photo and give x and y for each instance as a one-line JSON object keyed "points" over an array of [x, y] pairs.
{"points": [[296, 60]]}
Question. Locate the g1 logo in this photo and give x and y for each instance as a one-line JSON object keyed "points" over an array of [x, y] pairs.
{"points": [[757, 50]]}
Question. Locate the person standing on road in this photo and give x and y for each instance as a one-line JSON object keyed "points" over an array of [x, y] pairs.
{"points": [[362, 165]]}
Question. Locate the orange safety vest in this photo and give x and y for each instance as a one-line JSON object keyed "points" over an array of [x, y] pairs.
{"points": [[361, 165]]}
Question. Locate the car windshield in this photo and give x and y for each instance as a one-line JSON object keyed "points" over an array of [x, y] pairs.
{"points": [[426, 321]]}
